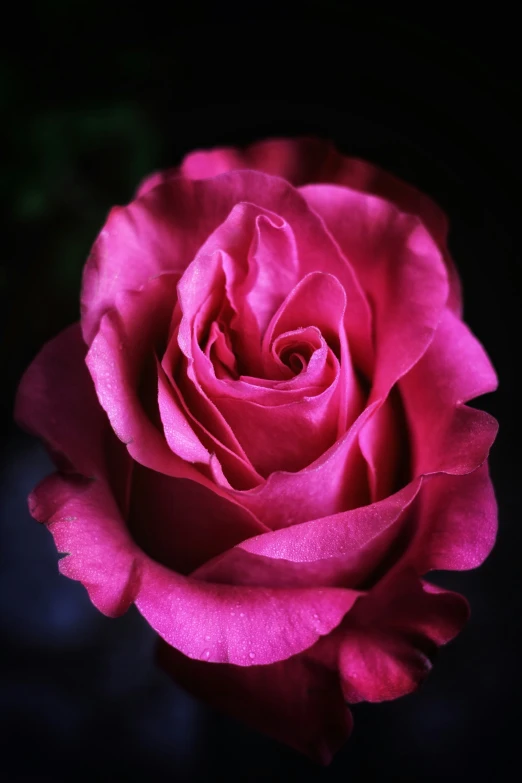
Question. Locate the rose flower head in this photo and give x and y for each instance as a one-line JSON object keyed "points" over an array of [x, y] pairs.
{"points": [[261, 433]]}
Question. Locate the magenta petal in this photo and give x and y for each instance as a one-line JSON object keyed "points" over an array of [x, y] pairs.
{"points": [[283, 437], [181, 523], [343, 549], [138, 242], [210, 622], [236, 624], [297, 701], [384, 444], [305, 161], [348, 532], [400, 269], [458, 522], [120, 352], [299, 161], [273, 265], [342, 469], [446, 434], [85, 523], [387, 643], [124, 341], [209, 163], [178, 432], [56, 400]]}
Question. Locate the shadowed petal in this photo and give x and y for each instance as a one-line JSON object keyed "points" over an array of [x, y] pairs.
{"points": [[297, 701]]}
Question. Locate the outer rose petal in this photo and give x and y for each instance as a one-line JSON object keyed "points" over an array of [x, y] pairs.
{"points": [[297, 701], [458, 526], [56, 400], [305, 161], [81, 515], [209, 622], [385, 646], [400, 269], [447, 435]]}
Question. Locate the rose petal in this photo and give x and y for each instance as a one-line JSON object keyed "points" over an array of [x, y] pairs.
{"points": [[116, 358], [273, 264], [343, 549], [447, 435], [210, 622], [342, 469], [86, 525], [287, 436], [305, 161], [178, 432], [242, 625], [384, 444], [458, 517], [182, 524], [163, 229], [386, 645], [290, 436], [400, 269], [300, 161], [297, 701], [56, 400]]}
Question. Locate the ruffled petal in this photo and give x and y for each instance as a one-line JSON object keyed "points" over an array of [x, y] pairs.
{"points": [[118, 355], [86, 526], [304, 161], [446, 434], [458, 522], [297, 701], [400, 269], [386, 645], [209, 622], [165, 227]]}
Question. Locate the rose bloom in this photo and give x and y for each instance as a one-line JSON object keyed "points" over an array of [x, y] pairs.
{"points": [[261, 433]]}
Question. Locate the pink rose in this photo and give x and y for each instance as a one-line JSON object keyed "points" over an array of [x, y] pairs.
{"points": [[261, 433]]}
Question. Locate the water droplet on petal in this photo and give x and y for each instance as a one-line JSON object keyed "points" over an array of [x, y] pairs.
{"points": [[251, 655], [207, 638], [205, 654], [241, 614]]}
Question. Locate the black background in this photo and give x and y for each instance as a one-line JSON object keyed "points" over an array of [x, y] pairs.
{"points": [[94, 99]]}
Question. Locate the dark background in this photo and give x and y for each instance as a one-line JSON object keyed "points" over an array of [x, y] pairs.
{"points": [[90, 104]]}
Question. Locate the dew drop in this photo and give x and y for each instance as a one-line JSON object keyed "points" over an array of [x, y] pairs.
{"points": [[207, 638], [316, 616], [205, 654], [251, 655], [241, 614]]}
